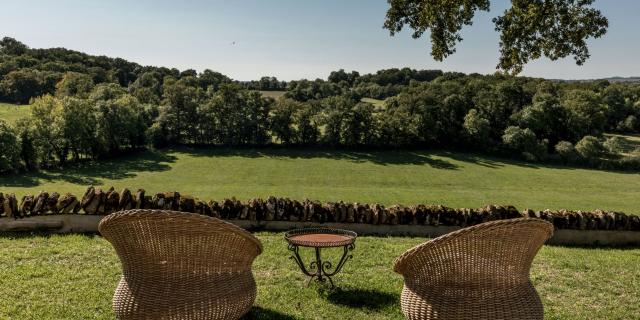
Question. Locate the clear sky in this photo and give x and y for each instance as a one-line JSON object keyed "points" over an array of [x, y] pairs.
{"points": [[290, 39]]}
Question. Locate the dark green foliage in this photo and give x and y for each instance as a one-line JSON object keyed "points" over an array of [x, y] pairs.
{"points": [[590, 147], [553, 28], [566, 151], [264, 84], [10, 148], [74, 84], [305, 90], [20, 85], [444, 19], [528, 29]]}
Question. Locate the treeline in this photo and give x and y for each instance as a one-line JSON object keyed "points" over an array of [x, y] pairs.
{"points": [[83, 117]]}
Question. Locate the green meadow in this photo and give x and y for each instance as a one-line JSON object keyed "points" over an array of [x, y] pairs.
{"points": [[11, 113], [406, 177]]}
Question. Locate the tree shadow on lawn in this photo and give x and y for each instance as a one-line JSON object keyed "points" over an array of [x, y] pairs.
{"points": [[17, 235], [393, 157], [362, 298], [88, 173], [259, 313]]}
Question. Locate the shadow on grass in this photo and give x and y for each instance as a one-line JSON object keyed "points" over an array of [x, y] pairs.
{"points": [[89, 173], [377, 157], [360, 298], [258, 313], [17, 235]]}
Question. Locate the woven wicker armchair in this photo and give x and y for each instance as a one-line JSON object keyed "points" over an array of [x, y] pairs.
{"points": [[181, 265], [480, 272]]}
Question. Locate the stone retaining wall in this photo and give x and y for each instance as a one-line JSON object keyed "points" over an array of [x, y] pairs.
{"points": [[95, 201], [89, 224]]}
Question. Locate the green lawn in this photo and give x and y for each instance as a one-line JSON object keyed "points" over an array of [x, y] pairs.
{"points": [[11, 113], [452, 179], [74, 276]]}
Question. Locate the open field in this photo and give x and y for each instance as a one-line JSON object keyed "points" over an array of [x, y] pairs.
{"points": [[407, 177], [74, 277], [11, 113], [378, 104], [273, 94], [630, 143]]}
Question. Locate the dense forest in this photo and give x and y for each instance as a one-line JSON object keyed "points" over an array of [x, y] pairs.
{"points": [[92, 107]]}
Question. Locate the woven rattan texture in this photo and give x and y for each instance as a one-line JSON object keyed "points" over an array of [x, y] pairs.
{"points": [[480, 272], [180, 265]]}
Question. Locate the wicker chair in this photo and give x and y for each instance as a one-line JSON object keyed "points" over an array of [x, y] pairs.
{"points": [[180, 265], [480, 272]]}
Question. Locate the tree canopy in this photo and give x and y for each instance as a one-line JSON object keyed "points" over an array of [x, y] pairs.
{"points": [[528, 30]]}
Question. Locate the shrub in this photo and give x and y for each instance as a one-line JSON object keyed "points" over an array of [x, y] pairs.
{"points": [[566, 150], [589, 147], [524, 141]]}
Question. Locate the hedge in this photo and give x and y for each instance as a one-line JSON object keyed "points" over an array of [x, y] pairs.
{"points": [[96, 201]]}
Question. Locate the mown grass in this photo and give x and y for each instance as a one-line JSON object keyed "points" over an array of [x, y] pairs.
{"points": [[74, 276], [406, 177], [11, 113], [630, 143]]}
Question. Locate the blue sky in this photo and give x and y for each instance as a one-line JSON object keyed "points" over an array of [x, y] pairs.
{"points": [[291, 39]]}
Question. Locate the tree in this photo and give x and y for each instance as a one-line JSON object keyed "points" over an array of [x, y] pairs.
{"points": [[74, 84], [341, 76], [10, 146], [308, 131], [566, 151], [528, 30], [120, 125], [28, 151], [181, 102], [78, 126], [21, 85], [477, 128], [524, 141], [545, 117], [586, 113], [11, 46], [48, 131], [281, 120]]}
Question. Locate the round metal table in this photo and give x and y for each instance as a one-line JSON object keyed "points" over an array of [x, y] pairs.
{"points": [[319, 238]]}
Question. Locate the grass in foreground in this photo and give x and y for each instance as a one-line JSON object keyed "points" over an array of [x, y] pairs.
{"points": [[74, 277], [452, 179], [11, 113]]}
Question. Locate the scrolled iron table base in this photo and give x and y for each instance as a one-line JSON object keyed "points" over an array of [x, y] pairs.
{"points": [[319, 238]]}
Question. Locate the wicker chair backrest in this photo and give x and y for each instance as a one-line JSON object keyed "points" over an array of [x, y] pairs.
{"points": [[156, 241], [498, 252]]}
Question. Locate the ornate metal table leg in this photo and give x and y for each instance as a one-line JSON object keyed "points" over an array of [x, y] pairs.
{"points": [[345, 257], [321, 273], [298, 260]]}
